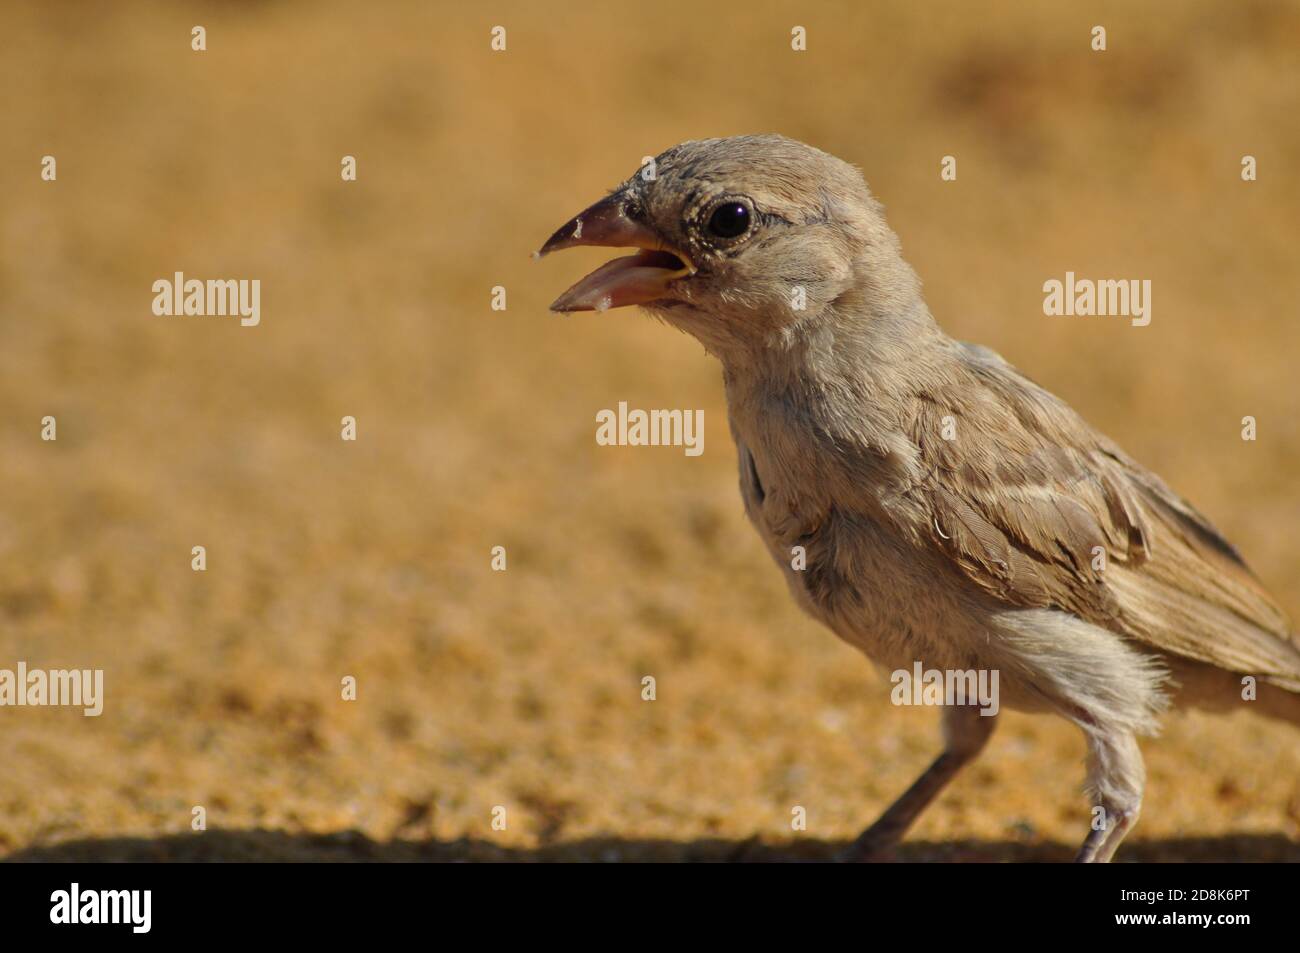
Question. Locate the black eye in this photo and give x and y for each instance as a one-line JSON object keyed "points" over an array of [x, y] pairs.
{"points": [[729, 220]]}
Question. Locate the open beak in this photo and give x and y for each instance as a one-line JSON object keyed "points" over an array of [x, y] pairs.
{"points": [[635, 279]]}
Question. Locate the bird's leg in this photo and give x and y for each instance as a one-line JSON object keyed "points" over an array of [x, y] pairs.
{"points": [[965, 732], [1116, 776]]}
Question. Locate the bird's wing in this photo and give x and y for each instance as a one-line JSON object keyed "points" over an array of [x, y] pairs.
{"points": [[1038, 510]]}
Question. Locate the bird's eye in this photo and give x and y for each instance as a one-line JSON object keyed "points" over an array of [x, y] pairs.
{"points": [[729, 220]]}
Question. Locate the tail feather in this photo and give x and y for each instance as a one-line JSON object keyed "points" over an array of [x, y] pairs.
{"points": [[1207, 687], [1280, 702]]}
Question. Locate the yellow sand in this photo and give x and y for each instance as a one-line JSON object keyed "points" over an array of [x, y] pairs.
{"points": [[522, 689]]}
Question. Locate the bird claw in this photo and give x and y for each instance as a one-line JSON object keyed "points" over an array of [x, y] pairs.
{"points": [[872, 847]]}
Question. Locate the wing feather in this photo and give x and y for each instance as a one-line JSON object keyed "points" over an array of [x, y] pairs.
{"points": [[1038, 510]]}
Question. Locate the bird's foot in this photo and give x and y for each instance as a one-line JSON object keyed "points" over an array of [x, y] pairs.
{"points": [[873, 845]]}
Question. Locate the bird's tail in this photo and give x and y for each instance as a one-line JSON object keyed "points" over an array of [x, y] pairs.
{"points": [[1280, 703], [1198, 685]]}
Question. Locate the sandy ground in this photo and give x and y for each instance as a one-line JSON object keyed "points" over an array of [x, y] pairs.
{"points": [[522, 689]]}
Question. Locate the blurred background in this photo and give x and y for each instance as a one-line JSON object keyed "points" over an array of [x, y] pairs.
{"points": [[476, 427]]}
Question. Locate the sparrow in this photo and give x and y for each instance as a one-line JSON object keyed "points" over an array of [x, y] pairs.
{"points": [[948, 510]]}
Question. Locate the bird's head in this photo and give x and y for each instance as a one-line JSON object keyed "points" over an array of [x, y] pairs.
{"points": [[738, 240]]}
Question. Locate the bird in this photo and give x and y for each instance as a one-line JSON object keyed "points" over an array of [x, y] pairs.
{"points": [[949, 510]]}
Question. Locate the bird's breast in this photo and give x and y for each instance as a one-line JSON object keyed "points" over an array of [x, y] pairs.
{"points": [[845, 561]]}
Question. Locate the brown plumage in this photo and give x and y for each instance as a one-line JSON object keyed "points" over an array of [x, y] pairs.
{"points": [[951, 511], [1028, 513]]}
